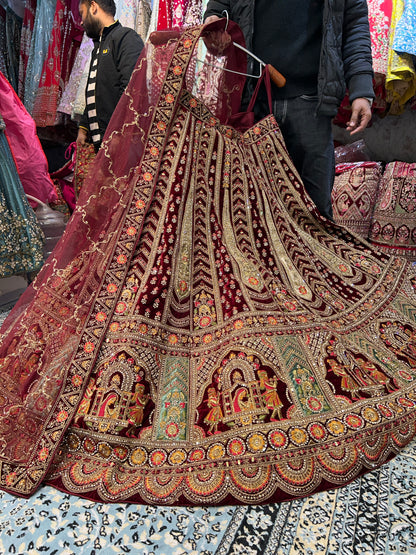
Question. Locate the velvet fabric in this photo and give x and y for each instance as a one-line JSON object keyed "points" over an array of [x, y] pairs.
{"points": [[201, 335]]}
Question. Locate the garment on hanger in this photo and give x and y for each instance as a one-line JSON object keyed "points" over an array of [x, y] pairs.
{"points": [[201, 335], [65, 40], [21, 238], [25, 41], [405, 32], [44, 16], [401, 73]]}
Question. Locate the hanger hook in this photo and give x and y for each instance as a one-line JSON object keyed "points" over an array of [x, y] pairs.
{"points": [[224, 13]]}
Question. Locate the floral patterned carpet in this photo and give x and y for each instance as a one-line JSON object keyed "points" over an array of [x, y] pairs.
{"points": [[375, 514]]}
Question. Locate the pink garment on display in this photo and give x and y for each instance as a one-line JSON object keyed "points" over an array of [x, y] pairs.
{"points": [[30, 159], [65, 39], [171, 14]]}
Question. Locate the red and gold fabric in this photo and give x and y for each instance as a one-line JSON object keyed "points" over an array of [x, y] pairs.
{"points": [[393, 228], [201, 335]]}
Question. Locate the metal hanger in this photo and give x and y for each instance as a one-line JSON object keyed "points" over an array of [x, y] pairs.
{"points": [[278, 79]]}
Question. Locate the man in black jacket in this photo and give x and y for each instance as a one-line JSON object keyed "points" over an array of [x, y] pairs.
{"points": [[115, 53], [321, 47]]}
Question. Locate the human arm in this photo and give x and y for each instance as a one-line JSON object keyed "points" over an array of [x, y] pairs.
{"points": [[82, 136], [216, 8], [216, 40], [360, 115], [357, 61]]}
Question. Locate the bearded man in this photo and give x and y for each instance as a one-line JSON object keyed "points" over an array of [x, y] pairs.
{"points": [[115, 53]]}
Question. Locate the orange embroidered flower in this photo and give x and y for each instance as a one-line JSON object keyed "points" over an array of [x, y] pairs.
{"points": [[111, 288], [177, 457], [131, 231], [121, 307], [177, 70], [187, 43], [253, 281], [147, 176], [143, 329], [114, 327], [172, 429], [121, 258], [183, 286], [238, 324], [216, 452], [336, 427], [11, 478], [154, 151], [298, 436], [76, 380], [173, 339], [89, 347], [196, 455], [193, 103], [317, 431], [161, 125], [207, 338], [236, 447], [62, 416], [140, 204], [157, 457], [43, 454], [257, 442], [354, 421], [101, 317], [169, 98]]}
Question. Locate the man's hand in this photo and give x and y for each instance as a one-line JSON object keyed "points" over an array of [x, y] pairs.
{"points": [[216, 41], [360, 116], [82, 136]]}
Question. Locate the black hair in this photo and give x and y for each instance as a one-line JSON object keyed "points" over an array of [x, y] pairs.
{"points": [[108, 6]]}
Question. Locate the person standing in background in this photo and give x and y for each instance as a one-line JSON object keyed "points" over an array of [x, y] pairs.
{"points": [[115, 53], [322, 47]]}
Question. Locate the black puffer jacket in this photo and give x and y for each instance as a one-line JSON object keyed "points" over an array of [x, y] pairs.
{"points": [[345, 53], [119, 50]]}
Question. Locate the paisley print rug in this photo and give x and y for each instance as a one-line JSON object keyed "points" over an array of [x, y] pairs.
{"points": [[373, 515]]}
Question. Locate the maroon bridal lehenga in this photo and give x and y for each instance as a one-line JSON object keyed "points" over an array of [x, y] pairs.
{"points": [[201, 335]]}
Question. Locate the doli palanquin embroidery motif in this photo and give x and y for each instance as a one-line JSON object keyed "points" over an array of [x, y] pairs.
{"points": [[213, 340]]}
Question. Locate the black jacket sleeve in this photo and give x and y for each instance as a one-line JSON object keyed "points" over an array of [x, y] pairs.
{"points": [[356, 52], [216, 7], [128, 51]]}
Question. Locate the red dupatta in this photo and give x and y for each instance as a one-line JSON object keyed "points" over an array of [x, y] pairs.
{"points": [[52, 336]]}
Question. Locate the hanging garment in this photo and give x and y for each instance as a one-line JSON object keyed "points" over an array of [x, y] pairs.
{"points": [[25, 41], [393, 228], [405, 32], [21, 239], [45, 10], [379, 17], [201, 335], [401, 73], [65, 40], [29, 157]]}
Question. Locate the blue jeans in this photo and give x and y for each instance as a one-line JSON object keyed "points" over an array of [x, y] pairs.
{"points": [[308, 139]]}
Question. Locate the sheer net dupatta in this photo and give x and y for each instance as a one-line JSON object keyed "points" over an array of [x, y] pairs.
{"points": [[50, 340]]}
